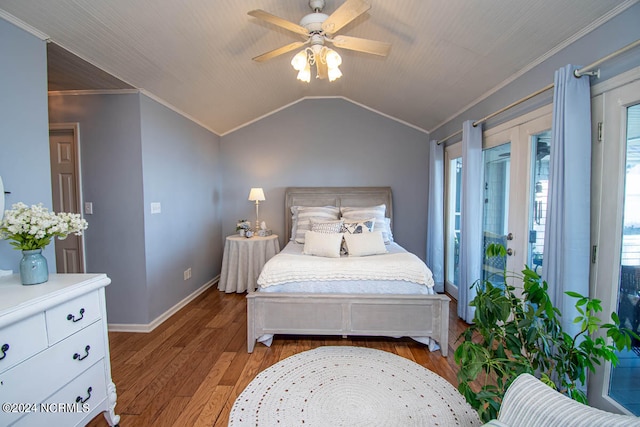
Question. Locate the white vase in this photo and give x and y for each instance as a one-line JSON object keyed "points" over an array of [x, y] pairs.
{"points": [[241, 232]]}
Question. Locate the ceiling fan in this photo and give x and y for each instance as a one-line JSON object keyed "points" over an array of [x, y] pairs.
{"points": [[318, 28]]}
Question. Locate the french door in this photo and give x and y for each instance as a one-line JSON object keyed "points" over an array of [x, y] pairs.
{"points": [[516, 159], [616, 236]]}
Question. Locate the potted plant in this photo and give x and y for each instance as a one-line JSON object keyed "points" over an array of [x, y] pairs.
{"points": [[514, 334], [30, 230], [242, 226]]}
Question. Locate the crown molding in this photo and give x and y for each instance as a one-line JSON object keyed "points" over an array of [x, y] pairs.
{"points": [[23, 25], [92, 92]]}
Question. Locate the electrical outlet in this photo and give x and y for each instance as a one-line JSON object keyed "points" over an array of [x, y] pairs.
{"points": [[187, 274]]}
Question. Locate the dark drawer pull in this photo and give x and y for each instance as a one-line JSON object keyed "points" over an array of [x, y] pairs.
{"points": [[79, 399], [78, 357], [4, 349], [73, 318]]}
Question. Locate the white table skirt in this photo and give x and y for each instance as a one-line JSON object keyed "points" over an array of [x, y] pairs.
{"points": [[243, 260]]}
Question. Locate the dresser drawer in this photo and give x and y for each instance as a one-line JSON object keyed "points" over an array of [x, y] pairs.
{"points": [[41, 375], [22, 340], [73, 402], [68, 318]]}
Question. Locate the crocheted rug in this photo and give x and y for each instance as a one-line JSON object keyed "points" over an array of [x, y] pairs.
{"points": [[350, 386]]}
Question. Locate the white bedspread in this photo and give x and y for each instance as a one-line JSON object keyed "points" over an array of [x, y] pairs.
{"points": [[293, 266]]}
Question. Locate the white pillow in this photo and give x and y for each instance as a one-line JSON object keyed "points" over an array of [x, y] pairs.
{"points": [[378, 212], [363, 244], [302, 218], [322, 244]]}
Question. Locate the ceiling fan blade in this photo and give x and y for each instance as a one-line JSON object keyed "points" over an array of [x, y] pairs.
{"points": [[362, 45], [278, 51], [323, 70], [347, 12], [280, 22]]}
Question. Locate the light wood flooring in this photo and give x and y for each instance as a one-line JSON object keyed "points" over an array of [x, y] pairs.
{"points": [[190, 369]]}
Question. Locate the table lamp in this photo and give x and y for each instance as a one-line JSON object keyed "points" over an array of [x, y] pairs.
{"points": [[257, 195]]}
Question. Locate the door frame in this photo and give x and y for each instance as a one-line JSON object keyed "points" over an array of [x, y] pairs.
{"points": [[74, 128], [609, 155]]}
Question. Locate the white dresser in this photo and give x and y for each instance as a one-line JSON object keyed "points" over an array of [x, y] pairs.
{"points": [[54, 352]]}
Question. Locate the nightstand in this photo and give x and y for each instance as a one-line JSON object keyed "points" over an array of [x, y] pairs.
{"points": [[243, 260]]}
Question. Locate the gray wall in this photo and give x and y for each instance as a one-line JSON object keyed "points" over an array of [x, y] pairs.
{"points": [[24, 145], [135, 151], [181, 172], [326, 142], [609, 37], [111, 171]]}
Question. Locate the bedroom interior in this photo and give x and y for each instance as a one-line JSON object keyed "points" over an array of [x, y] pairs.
{"points": [[172, 135]]}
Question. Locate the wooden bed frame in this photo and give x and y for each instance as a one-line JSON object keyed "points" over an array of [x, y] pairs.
{"points": [[345, 314]]}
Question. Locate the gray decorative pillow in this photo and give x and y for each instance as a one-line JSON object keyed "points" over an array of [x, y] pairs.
{"points": [[323, 226]]}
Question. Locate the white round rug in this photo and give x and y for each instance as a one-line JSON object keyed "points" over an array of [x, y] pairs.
{"points": [[350, 386]]}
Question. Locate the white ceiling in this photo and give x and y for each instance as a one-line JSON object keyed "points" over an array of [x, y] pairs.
{"points": [[196, 55]]}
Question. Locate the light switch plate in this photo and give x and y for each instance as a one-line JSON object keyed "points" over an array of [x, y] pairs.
{"points": [[88, 208], [156, 208]]}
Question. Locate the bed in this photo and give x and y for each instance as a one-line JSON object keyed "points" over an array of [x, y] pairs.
{"points": [[410, 310]]}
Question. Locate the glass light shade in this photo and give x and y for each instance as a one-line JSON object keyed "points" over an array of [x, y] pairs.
{"points": [[299, 61], [333, 59], [256, 194], [334, 73], [305, 74]]}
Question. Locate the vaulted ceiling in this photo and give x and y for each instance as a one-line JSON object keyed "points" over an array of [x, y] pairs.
{"points": [[196, 55]]}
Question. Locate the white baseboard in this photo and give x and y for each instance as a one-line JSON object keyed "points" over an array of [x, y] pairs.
{"points": [[133, 327]]}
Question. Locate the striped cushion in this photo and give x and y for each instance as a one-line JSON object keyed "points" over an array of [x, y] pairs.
{"points": [[378, 212], [529, 402], [302, 218]]}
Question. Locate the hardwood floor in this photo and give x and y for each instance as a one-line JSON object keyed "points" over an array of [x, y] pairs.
{"points": [[190, 369]]}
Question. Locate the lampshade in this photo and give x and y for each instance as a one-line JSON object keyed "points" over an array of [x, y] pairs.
{"points": [[256, 195]]}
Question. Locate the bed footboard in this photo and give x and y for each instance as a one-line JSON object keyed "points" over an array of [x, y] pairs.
{"points": [[348, 314]]}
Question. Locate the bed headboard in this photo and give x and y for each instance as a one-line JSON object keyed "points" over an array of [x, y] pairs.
{"points": [[334, 196]]}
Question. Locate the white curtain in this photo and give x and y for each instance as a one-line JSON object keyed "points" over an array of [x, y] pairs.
{"points": [[435, 215], [471, 218], [567, 230]]}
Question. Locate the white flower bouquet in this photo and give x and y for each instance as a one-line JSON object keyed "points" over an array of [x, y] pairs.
{"points": [[243, 224], [33, 227]]}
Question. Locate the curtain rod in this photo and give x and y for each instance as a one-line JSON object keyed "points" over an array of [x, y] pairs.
{"points": [[578, 73]]}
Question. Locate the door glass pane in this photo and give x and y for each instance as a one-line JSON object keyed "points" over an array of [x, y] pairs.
{"points": [[538, 198], [453, 233], [497, 163], [625, 378]]}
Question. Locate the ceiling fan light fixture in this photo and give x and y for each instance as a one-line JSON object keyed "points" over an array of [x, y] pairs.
{"points": [[333, 59], [305, 73], [299, 61], [334, 73]]}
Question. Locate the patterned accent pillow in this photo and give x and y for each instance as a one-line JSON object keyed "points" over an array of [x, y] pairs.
{"points": [[302, 218], [323, 226], [358, 226], [378, 212]]}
